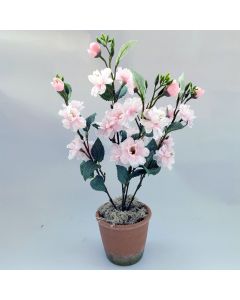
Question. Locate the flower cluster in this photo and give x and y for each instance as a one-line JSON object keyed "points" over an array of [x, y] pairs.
{"points": [[137, 127], [119, 117]]}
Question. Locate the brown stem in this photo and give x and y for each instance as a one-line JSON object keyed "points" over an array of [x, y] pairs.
{"points": [[137, 188]]}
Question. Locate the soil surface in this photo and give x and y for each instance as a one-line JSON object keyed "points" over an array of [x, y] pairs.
{"points": [[136, 213]]}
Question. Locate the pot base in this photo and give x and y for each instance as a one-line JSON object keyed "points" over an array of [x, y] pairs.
{"points": [[125, 260]]}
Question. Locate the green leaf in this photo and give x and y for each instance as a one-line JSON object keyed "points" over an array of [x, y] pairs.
{"points": [[123, 135], [135, 136], [95, 125], [108, 95], [122, 92], [87, 169], [97, 150], [157, 80], [112, 46], [140, 83], [152, 145], [97, 184], [68, 90], [89, 120], [152, 168], [124, 50], [181, 82], [174, 126], [122, 174], [138, 172]]}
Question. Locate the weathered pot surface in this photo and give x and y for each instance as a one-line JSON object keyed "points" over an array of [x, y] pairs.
{"points": [[124, 244]]}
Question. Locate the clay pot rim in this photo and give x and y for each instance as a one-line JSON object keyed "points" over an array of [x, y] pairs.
{"points": [[105, 224]]}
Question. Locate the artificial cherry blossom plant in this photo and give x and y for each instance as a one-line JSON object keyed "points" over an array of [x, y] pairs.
{"points": [[138, 128]]}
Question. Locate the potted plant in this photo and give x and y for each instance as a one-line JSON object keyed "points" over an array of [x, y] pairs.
{"points": [[139, 130]]}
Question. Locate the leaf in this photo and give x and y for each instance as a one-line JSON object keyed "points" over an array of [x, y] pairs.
{"points": [[152, 145], [122, 174], [152, 168], [124, 50], [181, 82], [87, 169], [123, 135], [97, 184], [108, 95], [122, 92], [68, 90], [174, 126], [140, 83], [97, 150], [89, 120], [95, 125], [138, 173], [135, 136]]}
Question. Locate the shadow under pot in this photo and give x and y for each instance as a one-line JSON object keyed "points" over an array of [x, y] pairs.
{"points": [[124, 244]]}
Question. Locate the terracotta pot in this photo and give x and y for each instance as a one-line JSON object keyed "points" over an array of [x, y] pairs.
{"points": [[124, 244]]}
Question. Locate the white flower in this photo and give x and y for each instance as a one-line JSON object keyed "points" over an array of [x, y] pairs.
{"points": [[99, 80], [155, 120], [186, 114], [77, 149]]}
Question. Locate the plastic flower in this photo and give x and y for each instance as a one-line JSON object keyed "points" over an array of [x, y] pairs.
{"points": [[116, 153], [165, 155], [155, 119], [113, 121], [173, 89], [132, 107], [99, 80], [186, 114], [199, 92], [77, 149], [94, 50], [71, 115], [124, 76], [133, 152], [170, 111], [57, 84]]}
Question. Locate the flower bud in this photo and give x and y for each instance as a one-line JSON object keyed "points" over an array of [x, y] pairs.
{"points": [[57, 84], [94, 50], [172, 89], [199, 92]]}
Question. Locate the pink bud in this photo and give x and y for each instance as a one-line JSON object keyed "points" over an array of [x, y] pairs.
{"points": [[94, 50], [173, 89], [199, 93], [57, 84]]}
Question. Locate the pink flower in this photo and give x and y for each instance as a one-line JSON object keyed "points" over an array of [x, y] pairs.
{"points": [[199, 93], [113, 121], [155, 120], [99, 80], [57, 84], [77, 149], [168, 142], [130, 152], [94, 50], [173, 89], [165, 157], [124, 76], [116, 153], [132, 107], [71, 115], [170, 111], [186, 114]]}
